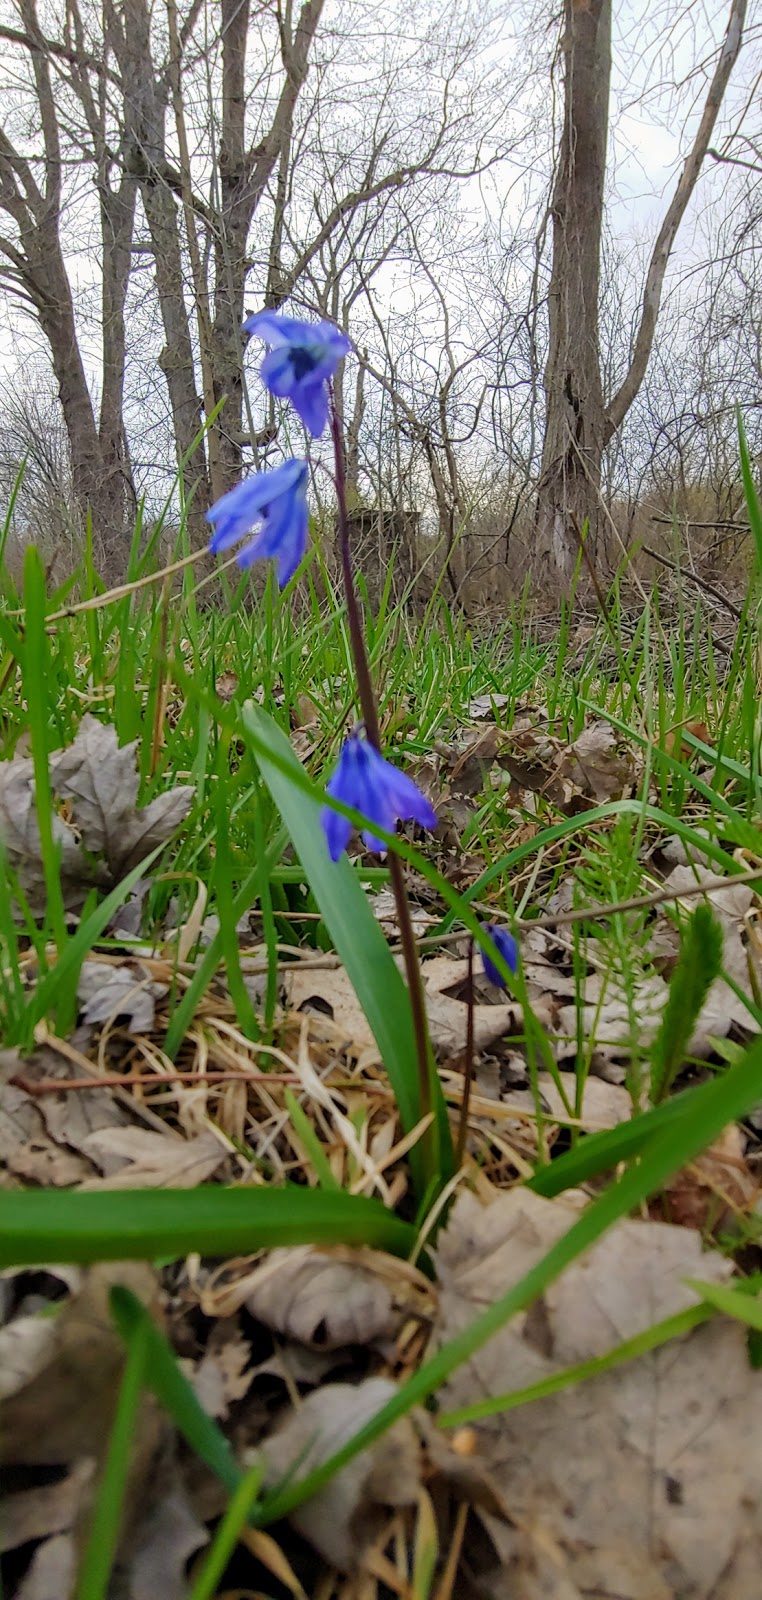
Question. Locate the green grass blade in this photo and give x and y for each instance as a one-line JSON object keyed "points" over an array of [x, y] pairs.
{"points": [[357, 938], [736, 1303], [753, 506], [36, 677], [674, 1327], [698, 966], [227, 1535], [172, 1389], [309, 1139], [103, 1537], [54, 1225], [602, 1152]]}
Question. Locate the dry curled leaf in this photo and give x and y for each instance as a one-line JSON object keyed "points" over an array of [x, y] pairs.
{"points": [[343, 1517], [127, 991], [99, 830], [322, 1300], [51, 1572], [644, 1482], [63, 1411]]}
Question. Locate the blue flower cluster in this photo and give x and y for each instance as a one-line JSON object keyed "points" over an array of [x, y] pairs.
{"points": [[299, 365], [300, 362]]}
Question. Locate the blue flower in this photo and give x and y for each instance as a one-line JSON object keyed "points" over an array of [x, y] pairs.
{"points": [[301, 359], [368, 783], [277, 500], [509, 951]]}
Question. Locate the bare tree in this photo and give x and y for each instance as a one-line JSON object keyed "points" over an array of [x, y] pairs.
{"points": [[580, 419], [33, 199]]}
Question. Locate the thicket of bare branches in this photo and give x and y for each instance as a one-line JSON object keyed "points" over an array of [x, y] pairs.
{"points": [[436, 178]]}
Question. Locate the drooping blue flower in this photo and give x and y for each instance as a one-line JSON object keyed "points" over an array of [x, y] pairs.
{"points": [[365, 781], [278, 501], [509, 951], [302, 357]]}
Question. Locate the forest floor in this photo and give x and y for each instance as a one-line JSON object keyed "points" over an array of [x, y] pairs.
{"points": [[523, 1366]]}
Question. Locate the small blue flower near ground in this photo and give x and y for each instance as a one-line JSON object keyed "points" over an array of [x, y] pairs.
{"points": [[509, 951], [365, 781], [303, 356], [277, 500]]}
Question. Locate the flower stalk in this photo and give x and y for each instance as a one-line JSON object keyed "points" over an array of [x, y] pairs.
{"points": [[369, 711]]}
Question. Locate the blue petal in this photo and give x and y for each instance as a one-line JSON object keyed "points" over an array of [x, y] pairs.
{"points": [[310, 401], [283, 537], [277, 373], [276, 329], [337, 830], [409, 804], [508, 948], [364, 780], [337, 343], [243, 504]]}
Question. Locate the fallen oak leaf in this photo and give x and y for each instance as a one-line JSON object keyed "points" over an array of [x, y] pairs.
{"points": [[648, 1478]]}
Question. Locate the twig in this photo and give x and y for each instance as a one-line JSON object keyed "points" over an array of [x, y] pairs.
{"points": [[154, 1080], [701, 583]]}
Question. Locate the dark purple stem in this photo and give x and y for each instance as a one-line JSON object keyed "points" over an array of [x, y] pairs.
{"points": [[372, 727], [468, 1065]]}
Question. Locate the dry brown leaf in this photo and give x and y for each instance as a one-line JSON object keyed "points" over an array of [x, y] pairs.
{"points": [[593, 769], [45, 1510], [604, 1105], [27, 1344], [717, 1186], [101, 782], [645, 1482], [163, 1544], [102, 834], [224, 1373], [447, 1012], [26, 1150], [342, 1519], [321, 1300], [384, 907], [51, 1572], [64, 1411], [330, 991], [486, 704], [155, 1160], [127, 991]]}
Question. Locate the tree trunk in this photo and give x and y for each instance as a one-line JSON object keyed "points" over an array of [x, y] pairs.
{"points": [[579, 421], [568, 491]]}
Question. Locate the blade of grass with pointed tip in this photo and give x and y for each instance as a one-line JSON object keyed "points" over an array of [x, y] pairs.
{"points": [[736, 1303], [40, 1225], [698, 965], [227, 1535], [753, 506]]}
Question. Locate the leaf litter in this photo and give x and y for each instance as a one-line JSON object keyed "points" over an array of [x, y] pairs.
{"points": [[98, 828], [293, 1349]]}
